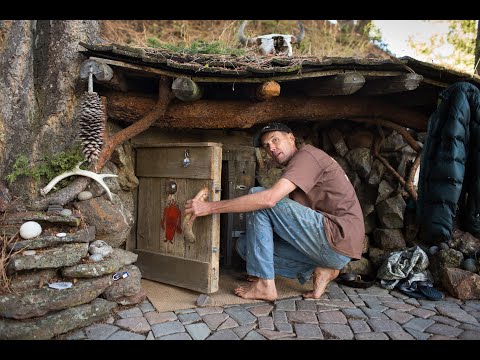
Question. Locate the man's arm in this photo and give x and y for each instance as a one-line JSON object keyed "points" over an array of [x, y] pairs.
{"points": [[250, 202]]}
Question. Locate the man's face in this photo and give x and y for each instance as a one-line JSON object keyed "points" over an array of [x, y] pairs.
{"points": [[279, 145]]}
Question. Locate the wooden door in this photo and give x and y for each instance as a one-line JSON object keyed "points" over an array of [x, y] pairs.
{"points": [[174, 261]]}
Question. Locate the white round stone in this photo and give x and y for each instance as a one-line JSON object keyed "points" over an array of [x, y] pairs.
{"points": [[30, 229], [84, 195], [66, 212]]}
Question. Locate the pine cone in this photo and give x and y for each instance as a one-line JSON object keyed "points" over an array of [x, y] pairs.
{"points": [[90, 118]]}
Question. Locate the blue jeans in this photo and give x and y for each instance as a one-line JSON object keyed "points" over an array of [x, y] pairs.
{"points": [[289, 240]]}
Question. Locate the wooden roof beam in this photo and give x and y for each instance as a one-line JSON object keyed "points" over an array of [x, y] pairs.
{"points": [[340, 84], [219, 114], [391, 84]]}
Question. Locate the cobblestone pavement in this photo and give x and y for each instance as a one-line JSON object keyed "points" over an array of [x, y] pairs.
{"points": [[342, 313]]}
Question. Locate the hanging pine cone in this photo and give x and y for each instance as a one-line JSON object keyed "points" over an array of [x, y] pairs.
{"points": [[90, 119]]}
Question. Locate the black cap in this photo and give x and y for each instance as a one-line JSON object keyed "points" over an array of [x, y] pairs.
{"points": [[274, 126]]}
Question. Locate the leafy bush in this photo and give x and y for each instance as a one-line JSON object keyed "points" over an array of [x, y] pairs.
{"points": [[47, 168]]}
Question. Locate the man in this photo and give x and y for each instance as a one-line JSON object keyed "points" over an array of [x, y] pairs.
{"points": [[309, 221]]}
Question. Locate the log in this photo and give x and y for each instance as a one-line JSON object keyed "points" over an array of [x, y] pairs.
{"points": [[186, 89], [267, 90], [221, 114], [391, 84], [341, 84], [187, 225]]}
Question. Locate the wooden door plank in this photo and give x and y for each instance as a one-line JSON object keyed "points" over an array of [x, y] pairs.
{"points": [[168, 162], [195, 265], [187, 273]]}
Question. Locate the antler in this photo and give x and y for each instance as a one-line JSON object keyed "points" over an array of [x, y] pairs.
{"points": [[77, 171], [241, 33]]}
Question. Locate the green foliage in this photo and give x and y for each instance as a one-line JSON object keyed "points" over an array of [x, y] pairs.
{"points": [[461, 36], [197, 47], [47, 168], [375, 36]]}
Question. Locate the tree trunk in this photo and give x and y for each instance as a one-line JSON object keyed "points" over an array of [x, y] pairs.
{"points": [[477, 50], [39, 86]]}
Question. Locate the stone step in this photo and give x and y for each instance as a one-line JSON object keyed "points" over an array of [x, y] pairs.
{"points": [[82, 236], [19, 218]]}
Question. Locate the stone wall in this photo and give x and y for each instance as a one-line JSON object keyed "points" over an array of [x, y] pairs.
{"points": [[34, 310]]}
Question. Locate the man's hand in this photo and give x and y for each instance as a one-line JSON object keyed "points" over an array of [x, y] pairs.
{"points": [[196, 208]]}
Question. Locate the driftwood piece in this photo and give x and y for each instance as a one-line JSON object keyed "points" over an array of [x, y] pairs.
{"points": [[157, 112], [411, 177], [376, 153], [187, 225]]}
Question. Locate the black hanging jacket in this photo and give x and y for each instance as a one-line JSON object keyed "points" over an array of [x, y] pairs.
{"points": [[450, 165]]}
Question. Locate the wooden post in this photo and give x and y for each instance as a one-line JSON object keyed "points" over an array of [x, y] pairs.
{"points": [[267, 90], [186, 89]]}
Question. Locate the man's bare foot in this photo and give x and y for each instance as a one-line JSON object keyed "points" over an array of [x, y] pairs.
{"points": [[262, 289], [321, 278], [250, 278]]}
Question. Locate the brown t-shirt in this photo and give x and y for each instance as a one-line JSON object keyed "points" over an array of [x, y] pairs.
{"points": [[323, 186]]}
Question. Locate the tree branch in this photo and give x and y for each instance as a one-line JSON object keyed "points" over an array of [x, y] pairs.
{"points": [[157, 112]]}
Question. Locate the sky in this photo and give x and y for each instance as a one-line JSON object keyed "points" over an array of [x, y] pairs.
{"points": [[395, 33]]}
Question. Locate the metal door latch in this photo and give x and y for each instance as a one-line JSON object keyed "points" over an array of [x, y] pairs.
{"points": [[186, 160]]}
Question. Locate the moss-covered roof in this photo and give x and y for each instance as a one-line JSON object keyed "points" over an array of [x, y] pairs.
{"points": [[254, 68]]}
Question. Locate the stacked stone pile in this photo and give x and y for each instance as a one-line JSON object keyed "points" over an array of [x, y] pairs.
{"points": [[58, 283]]}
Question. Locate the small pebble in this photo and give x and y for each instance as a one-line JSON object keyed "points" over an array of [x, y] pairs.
{"points": [[60, 234], [470, 265], [29, 252], [66, 212], [84, 195]]}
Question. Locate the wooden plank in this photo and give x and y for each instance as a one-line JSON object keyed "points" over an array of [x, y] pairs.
{"points": [[150, 213], [176, 145], [215, 227], [168, 162], [392, 84], [189, 274]]}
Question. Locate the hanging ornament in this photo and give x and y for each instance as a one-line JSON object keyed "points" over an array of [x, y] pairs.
{"points": [[90, 119], [171, 221]]}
